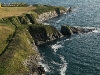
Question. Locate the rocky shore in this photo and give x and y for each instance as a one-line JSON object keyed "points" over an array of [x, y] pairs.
{"points": [[48, 15], [69, 30], [30, 32]]}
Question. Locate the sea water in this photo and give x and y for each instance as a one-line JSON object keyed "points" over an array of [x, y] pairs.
{"points": [[79, 54]]}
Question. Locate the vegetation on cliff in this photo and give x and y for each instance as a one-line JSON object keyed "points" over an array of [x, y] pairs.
{"points": [[19, 49], [17, 25], [23, 19], [43, 33], [40, 9], [5, 36]]}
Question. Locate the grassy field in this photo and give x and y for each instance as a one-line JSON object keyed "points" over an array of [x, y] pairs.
{"points": [[16, 43], [18, 50], [5, 34], [14, 11]]}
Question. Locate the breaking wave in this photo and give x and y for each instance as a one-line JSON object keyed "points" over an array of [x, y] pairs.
{"points": [[63, 66], [55, 47], [46, 68]]}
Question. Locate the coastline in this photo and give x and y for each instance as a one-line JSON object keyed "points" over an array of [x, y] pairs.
{"points": [[30, 32], [22, 49]]}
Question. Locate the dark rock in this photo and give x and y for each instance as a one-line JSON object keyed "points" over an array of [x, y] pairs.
{"points": [[44, 33], [41, 70], [69, 10], [66, 30], [69, 30]]}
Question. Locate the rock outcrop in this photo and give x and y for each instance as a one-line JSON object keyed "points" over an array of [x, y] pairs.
{"points": [[44, 33], [22, 49], [66, 30], [46, 12], [69, 30], [51, 14]]}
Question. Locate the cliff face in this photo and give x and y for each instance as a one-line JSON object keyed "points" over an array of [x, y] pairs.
{"points": [[51, 14], [66, 30], [46, 12], [44, 33], [38, 14], [33, 17], [20, 56]]}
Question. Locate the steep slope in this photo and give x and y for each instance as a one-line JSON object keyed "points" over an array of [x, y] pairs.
{"points": [[44, 33], [18, 53]]}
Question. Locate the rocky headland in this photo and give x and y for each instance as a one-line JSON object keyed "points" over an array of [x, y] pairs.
{"points": [[20, 55], [70, 30]]}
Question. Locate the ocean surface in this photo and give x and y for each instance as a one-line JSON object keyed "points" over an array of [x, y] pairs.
{"points": [[79, 54]]}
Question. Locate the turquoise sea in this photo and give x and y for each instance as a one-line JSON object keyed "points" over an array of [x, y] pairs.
{"points": [[79, 54]]}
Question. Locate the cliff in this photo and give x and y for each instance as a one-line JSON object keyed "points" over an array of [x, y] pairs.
{"points": [[44, 33], [20, 35], [20, 54], [38, 15], [46, 12]]}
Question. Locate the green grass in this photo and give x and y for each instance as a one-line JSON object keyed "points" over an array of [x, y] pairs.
{"points": [[14, 38], [6, 33], [43, 8], [18, 50], [14, 11], [40, 9], [23, 19]]}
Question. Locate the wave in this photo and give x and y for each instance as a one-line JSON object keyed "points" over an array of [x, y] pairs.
{"points": [[63, 66], [59, 20], [95, 30], [46, 68], [67, 39], [55, 47]]}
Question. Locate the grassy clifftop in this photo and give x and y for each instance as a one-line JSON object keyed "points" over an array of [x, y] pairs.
{"points": [[13, 11], [40, 9], [18, 50], [6, 33], [16, 43]]}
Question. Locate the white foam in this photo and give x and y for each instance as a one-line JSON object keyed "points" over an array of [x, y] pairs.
{"points": [[95, 31], [56, 63], [46, 23], [58, 42], [63, 66], [59, 20], [56, 46], [67, 39], [44, 65], [46, 68]]}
